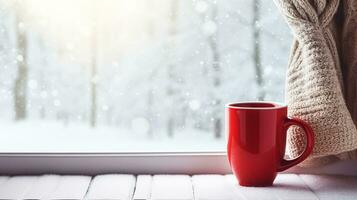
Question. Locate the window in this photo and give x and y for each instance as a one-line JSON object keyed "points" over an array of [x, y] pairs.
{"points": [[131, 75]]}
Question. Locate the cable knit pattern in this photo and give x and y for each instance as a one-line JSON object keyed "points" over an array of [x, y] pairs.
{"points": [[314, 81]]}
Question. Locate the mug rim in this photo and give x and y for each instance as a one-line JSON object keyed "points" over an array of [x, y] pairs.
{"points": [[276, 105]]}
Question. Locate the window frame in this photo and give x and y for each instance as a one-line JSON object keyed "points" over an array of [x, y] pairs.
{"points": [[140, 163], [101, 163]]}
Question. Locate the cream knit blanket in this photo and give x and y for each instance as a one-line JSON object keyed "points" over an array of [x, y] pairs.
{"points": [[314, 79]]}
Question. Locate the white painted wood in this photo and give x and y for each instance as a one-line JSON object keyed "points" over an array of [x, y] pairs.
{"points": [[43, 187], [143, 187], [128, 163], [171, 187], [285, 187], [111, 186], [175, 187], [3, 179], [332, 187], [212, 187], [71, 187], [15, 187]]}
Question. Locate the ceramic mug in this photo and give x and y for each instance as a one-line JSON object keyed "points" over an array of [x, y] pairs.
{"points": [[256, 141]]}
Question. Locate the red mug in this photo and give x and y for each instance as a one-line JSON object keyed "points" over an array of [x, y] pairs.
{"points": [[256, 141]]}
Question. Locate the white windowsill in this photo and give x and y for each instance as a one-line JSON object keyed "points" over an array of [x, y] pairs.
{"points": [[138, 163]]}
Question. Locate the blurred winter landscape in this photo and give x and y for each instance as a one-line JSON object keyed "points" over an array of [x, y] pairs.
{"points": [[133, 75]]}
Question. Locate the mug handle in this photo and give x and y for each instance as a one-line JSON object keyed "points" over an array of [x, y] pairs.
{"points": [[285, 164]]}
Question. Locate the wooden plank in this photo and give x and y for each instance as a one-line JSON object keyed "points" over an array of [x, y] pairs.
{"points": [[112, 186], [212, 187], [42, 187], [71, 187], [286, 186], [3, 179], [171, 187], [16, 187], [328, 187], [143, 187]]}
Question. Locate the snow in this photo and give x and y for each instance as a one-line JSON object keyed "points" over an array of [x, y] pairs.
{"points": [[155, 75], [51, 136], [201, 6]]}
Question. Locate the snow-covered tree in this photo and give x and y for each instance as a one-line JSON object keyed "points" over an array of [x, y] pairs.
{"points": [[173, 78], [212, 39], [20, 86], [93, 66], [256, 28]]}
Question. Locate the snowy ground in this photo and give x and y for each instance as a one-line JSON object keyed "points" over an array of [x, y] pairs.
{"points": [[47, 136]]}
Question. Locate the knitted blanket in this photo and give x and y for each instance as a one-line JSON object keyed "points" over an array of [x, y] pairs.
{"points": [[315, 78]]}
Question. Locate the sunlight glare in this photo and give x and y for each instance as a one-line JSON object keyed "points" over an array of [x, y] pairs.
{"points": [[116, 27]]}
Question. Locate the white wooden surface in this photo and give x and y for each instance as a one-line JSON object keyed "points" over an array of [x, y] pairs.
{"points": [[43, 187], [113, 186], [143, 187], [70, 187], [171, 187], [175, 187]]}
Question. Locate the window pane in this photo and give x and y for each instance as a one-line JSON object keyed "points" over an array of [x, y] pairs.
{"points": [[133, 75]]}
